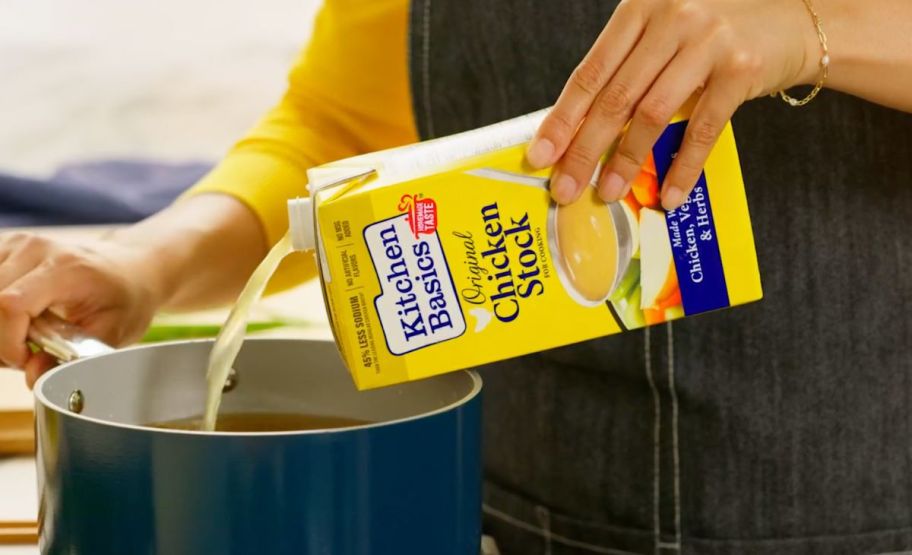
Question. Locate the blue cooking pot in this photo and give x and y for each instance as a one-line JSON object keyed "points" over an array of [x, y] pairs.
{"points": [[408, 483]]}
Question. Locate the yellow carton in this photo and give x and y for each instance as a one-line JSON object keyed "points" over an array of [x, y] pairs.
{"points": [[449, 254]]}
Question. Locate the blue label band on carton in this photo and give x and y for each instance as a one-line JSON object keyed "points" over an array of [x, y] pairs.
{"points": [[692, 232]]}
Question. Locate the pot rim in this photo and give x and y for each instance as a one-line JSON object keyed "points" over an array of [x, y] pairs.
{"points": [[41, 399]]}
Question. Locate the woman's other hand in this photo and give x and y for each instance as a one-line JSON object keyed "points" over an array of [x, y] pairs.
{"points": [[102, 287], [195, 254]]}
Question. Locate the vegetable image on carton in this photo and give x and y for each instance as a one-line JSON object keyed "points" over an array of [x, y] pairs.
{"points": [[450, 254]]}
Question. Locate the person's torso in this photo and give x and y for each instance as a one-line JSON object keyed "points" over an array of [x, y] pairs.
{"points": [[791, 417]]}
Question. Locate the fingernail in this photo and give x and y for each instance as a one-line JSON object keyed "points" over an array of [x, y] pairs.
{"points": [[612, 187], [563, 188], [540, 152], [625, 192], [672, 197]]}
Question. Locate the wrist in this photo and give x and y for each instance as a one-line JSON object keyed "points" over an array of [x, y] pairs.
{"points": [[150, 267], [812, 48]]}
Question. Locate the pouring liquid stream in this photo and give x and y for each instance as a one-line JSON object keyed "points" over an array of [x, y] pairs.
{"points": [[228, 343]]}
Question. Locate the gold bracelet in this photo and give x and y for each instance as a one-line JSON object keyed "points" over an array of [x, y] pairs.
{"points": [[824, 63]]}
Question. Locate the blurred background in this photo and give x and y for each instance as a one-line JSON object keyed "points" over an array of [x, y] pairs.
{"points": [[169, 80], [163, 82], [108, 108]]}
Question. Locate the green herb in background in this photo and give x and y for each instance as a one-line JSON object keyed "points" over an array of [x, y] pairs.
{"points": [[171, 332]]}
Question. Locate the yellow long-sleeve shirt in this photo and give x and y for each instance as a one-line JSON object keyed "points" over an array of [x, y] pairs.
{"points": [[348, 93]]}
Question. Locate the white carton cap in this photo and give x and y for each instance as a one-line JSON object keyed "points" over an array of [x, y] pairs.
{"points": [[301, 224]]}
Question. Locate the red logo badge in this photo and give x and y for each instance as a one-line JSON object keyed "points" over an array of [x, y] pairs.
{"points": [[422, 214]]}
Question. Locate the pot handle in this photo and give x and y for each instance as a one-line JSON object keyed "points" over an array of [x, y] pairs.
{"points": [[62, 340]]}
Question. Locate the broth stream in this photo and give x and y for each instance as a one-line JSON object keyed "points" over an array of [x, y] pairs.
{"points": [[231, 337]]}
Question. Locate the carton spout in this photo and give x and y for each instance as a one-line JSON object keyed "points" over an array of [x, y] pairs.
{"points": [[301, 224]]}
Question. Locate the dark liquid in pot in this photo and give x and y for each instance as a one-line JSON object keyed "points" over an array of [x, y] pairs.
{"points": [[263, 422]]}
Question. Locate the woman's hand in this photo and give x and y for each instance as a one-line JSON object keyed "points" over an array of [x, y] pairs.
{"points": [[102, 287], [197, 253], [652, 56]]}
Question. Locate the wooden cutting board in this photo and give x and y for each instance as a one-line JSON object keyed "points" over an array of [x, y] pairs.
{"points": [[18, 533], [17, 427], [17, 433]]}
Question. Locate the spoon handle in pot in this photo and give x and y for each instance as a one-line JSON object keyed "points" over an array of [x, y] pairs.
{"points": [[62, 340]]}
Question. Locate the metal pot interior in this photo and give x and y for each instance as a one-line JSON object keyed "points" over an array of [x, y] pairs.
{"points": [[156, 383]]}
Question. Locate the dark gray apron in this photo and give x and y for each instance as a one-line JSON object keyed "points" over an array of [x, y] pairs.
{"points": [[782, 427]]}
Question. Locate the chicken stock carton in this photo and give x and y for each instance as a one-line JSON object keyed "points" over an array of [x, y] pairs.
{"points": [[450, 254]]}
